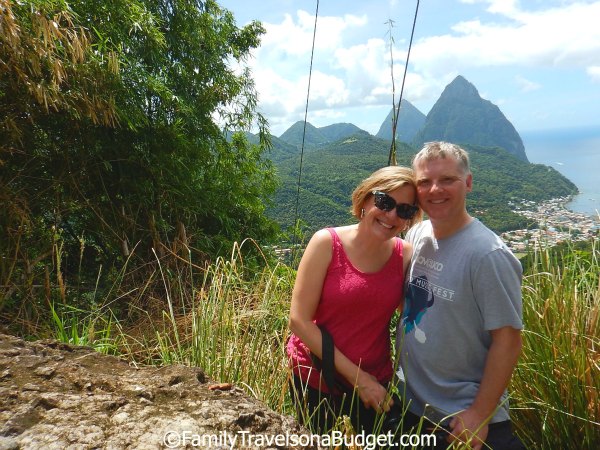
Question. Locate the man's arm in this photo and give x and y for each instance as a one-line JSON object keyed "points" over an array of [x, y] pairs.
{"points": [[500, 363]]}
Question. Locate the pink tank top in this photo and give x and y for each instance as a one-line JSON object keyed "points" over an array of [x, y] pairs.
{"points": [[356, 309]]}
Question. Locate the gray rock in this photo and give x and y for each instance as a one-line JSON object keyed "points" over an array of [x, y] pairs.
{"points": [[56, 396]]}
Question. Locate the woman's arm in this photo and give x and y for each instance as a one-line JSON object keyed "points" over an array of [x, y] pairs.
{"points": [[305, 300]]}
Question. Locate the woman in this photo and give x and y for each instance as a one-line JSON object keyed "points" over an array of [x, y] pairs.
{"points": [[349, 283]]}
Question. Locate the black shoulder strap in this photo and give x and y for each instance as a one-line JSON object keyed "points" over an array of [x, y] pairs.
{"points": [[328, 365]]}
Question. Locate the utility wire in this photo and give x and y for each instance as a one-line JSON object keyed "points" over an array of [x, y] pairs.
{"points": [[397, 114], [312, 53]]}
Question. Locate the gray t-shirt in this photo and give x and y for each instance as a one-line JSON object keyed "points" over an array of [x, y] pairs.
{"points": [[459, 288]]}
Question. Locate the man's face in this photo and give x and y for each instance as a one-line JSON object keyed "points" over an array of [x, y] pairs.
{"points": [[442, 188]]}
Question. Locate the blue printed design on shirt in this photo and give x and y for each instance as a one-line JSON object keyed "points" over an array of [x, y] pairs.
{"points": [[418, 299]]}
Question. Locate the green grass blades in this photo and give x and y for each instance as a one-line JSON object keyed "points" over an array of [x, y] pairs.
{"points": [[231, 320], [557, 383]]}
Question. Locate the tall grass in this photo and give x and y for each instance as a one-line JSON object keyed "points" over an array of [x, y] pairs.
{"points": [[77, 327], [557, 382], [232, 322]]}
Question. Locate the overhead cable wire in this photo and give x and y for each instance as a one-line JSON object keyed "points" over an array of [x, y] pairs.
{"points": [[397, 113], [312, 53]]}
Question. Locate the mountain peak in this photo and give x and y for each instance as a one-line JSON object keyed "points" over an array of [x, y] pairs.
{"points": [[410, 121], [319, 136], [460, 115], [460, 86]]}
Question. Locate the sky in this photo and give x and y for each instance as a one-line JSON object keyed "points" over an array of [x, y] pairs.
{"points": [[537, 60]]}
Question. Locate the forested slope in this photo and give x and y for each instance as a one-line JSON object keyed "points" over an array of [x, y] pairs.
{"points": [[331, 172]]}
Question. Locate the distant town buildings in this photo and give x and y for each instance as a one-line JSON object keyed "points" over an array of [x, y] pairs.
{"points": [[556, 224]]}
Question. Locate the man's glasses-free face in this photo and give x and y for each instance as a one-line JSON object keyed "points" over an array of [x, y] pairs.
{"points": [[385, 202]]}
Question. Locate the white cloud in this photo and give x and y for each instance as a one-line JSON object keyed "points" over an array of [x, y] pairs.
{"points": [[504, 7], [296, 37], [357, 74], [364, 67], [327, 91], [526, 85], [279, 95], [555, 37], [594, 73]]}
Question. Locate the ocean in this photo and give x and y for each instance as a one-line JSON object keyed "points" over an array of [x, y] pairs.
{"points": [[575, 153]]}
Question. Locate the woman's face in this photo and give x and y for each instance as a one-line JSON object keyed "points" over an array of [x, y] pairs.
{"points": [[388, 224]]}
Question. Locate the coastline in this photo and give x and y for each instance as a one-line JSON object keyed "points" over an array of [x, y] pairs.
{"points": [[556, 224], [575, 153]]}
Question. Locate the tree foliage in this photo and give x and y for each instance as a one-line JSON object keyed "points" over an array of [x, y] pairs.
{"points": [[332, 171], [111, 137]]}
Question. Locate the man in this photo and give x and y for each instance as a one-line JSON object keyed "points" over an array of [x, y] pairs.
{"points": [[459, 338]]}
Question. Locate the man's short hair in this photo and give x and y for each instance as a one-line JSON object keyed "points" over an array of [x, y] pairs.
{"points": [[443, 150]]}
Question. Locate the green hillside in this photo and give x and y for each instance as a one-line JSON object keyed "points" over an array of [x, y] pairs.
{"points": [[339, 131], [318, 137], [330, 173], [312, 138]]}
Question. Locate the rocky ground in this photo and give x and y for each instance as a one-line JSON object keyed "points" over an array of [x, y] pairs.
{"points": [[56, 396]]}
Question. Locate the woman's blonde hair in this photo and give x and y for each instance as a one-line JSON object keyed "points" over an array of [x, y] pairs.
{"points": [[385, 179]]}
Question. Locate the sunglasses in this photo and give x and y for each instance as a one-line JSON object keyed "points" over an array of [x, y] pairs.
{"points": [[385, 202]]}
